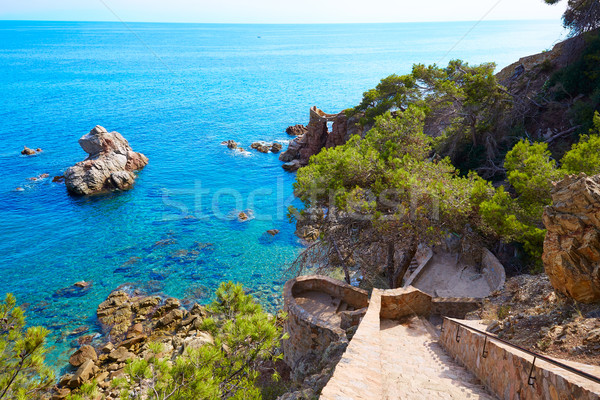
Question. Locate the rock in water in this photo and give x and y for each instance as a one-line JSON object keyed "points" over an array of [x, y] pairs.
{"points": [[109, 166], [572, 245], [276, 147], [296, 130], [27, 151]]}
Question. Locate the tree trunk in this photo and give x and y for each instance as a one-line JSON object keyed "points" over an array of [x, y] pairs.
{"points": [[390, 263], [343, 262], [407, 257]]}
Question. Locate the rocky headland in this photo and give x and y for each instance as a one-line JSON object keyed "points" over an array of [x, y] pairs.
{"points": [[110, 165]]}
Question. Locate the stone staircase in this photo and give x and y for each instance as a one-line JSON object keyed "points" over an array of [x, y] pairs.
{"points": [[389, 359]]}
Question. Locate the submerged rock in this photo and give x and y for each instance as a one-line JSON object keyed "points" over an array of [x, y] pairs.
{"points": [[109, 166]]}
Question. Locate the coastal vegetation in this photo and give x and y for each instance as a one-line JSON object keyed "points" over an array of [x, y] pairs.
{"points": [[447, 151], [243, 349], [23, 372]]}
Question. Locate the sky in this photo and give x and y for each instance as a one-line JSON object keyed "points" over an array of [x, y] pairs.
{"points": [[279, 11]]}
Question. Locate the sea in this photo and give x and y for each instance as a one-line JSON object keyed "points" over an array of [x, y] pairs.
{"points": [[175, 92]]}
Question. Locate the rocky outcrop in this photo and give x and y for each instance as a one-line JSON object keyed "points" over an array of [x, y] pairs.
{"points": [[316, 136], [110, 164], [572, 246], [131, 323], [296, 130]]}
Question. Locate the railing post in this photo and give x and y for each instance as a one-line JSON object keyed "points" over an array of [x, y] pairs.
{"points": [[484, 353], [531, 379], [457, 333]]}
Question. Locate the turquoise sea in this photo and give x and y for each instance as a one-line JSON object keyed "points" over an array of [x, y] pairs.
{"points": [[176, 91]]}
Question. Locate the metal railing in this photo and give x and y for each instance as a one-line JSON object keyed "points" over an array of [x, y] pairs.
{"points": [[535, 355]]}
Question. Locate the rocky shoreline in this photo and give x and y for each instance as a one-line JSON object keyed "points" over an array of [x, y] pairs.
{"points": [[130, 321]]}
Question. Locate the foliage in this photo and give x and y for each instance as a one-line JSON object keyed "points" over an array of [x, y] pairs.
{"points": [[463, 105], [531, 171], [23, 373], [381, 195], [244, 336], [581, 15], [585, 155]]}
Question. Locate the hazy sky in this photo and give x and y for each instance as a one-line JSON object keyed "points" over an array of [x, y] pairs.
{"points": [[279, 11]]}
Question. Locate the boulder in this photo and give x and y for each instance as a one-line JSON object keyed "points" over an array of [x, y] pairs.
{"points": [[273, 232], [572, 245], [276, 147], [230, 144], [84, 353], [292, 166], [296, 130], [27, 151], [120, 355], [84, 373], [263, 147], [109, 166]]}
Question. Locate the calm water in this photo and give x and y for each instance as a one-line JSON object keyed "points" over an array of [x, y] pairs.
{"points": [[175, 92]]}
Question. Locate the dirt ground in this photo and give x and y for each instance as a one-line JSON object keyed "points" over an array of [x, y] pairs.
{"points": [[528, 312]]}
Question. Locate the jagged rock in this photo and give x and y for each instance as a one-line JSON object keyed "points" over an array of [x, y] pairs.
{"points": [[83, 354], [276, 147], [109, 165], [296, 130], [572, 245], [60, 393], [27, 151], [316, 136], [273, 232], [115, 312], [170, 320], [85, 372], [291, 166], [120, 355], [242, 217], [263, 147], [230, 144]]}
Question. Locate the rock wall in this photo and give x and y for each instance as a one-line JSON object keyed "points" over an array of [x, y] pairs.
{"points": [[307, 333], [316, 136], [505, 370], [572, 245]]}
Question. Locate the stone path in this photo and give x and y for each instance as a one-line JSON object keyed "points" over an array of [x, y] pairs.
{"points": [[389, 360]]}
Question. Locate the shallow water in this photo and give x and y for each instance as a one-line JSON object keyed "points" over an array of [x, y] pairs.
{"points": [[175, 91]]}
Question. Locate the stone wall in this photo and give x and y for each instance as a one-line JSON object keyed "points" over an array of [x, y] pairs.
{"points": [[455, 307], [307, 333], [492, 270], [402, 302], [505, 370]]}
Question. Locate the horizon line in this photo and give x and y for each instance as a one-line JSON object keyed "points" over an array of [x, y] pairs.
{"points": [[274, 23]]}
